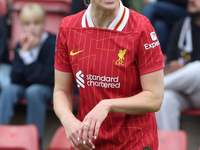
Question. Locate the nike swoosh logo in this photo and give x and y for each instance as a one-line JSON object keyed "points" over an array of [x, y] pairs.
{"points": [[72, 53]]}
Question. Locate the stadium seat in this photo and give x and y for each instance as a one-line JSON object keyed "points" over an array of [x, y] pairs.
{"points": [[4, 148], [172, 140], [59, 140], [55, 11], [56, 149], [3, 7], [76, 101], [19, 137], [192, 112]]}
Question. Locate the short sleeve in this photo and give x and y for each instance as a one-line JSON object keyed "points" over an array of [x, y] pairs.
{"points": [[149, 53], [62, 62]]}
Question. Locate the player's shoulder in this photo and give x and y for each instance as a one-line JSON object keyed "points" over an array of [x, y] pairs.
{"points": [[138, 20], [72, 20]]}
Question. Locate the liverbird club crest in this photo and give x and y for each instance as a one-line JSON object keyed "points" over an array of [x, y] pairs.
{"points": [[121, 54]]}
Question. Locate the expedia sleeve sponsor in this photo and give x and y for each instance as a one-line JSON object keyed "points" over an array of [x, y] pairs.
{"points": [[152, 45]]}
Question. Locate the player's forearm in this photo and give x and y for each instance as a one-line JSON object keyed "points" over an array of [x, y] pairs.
{"points": [[63, 106], [141, 103]]}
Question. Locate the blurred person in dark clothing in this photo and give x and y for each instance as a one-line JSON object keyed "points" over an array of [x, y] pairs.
{"points": [[32, 73], [135, 5], [182, 80], [163, 14], [5, 67], [77, 6]]}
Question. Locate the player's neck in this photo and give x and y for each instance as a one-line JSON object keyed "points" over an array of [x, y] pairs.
{"points": [[101, 18]]}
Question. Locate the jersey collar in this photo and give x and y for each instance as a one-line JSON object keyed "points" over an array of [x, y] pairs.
{"points": [[118, 23]]}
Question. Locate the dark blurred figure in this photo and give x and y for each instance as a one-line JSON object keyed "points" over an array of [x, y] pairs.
{"points": [[163, 14], [77, 6], [32, 72], [182, 80], [136, 5], [5, 68]]}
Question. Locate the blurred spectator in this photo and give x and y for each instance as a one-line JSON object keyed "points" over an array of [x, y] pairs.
{"points": [[163, 14], [77, 6], [32, 69], [5, 68], [136, 5], [182, 80]]}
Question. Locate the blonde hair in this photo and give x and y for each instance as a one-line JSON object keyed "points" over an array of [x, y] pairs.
{"points": [[32, 10]]}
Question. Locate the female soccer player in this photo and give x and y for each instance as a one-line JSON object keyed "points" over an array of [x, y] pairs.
{"points": [[115, 57]]}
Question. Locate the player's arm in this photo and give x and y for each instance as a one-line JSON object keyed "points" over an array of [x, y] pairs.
{"points": [[63, 107], [148, 61], [62, 103], [63, 90], [64, 81], [62, 98], [149, 100]]}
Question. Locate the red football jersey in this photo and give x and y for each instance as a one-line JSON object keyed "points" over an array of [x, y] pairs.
{"points": [[107, 64]]}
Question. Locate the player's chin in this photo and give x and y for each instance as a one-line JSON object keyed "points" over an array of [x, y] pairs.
{"points": [[109, 7], [111, 3]]}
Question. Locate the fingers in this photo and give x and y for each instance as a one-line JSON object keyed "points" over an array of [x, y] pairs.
{"points": [[80, 133], [86, 127], [96, 130], [88, 131], [84, 140], [79, 144], [28, 41], [72, 139], [91, 130], [75, 143], [22, 39], [85, 146], [89, 142]]}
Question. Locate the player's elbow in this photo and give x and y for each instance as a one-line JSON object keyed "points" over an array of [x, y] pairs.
{"points": [[158, 103]]}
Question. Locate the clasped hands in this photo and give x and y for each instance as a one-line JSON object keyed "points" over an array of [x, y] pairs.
{"points": [[82, 134]]}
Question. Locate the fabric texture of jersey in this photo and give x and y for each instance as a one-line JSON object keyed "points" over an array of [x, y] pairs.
{"points": [[107, 64]]}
